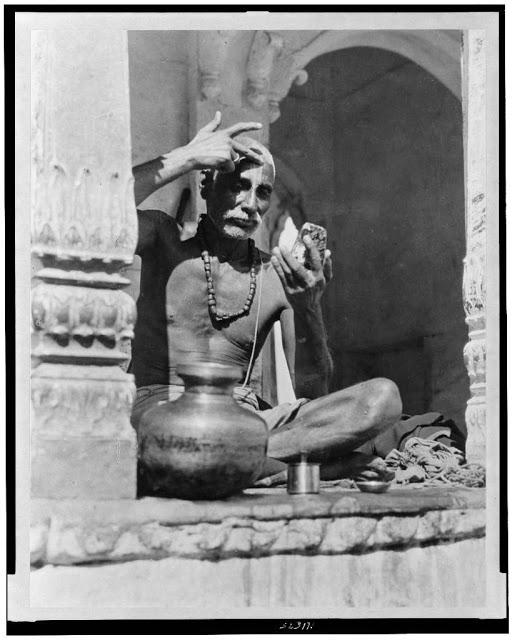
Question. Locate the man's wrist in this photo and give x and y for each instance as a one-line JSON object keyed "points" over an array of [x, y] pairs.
{"points": [[180, 159], [308, 312]]}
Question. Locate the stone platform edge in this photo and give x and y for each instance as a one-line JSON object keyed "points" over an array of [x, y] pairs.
{"points": [[258, 523]]}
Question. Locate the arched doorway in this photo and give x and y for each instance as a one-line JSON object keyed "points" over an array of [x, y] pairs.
{"points": [[375, 141]]}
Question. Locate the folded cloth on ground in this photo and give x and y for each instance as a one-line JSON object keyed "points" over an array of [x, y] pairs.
{"points": [[431, 462], [430, 426]]}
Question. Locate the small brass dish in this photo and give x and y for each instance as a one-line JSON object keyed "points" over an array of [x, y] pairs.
{"points": [[372, 486]]}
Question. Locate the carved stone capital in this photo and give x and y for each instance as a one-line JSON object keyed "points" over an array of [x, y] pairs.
{"points": [[87, 216], [271, 70], [266, 46], [287, 70], [81, 322], [474, 279], [475, 360], [212, 53]]}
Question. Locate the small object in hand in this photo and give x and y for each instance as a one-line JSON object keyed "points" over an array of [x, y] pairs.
{"points": [[318, 236], [303, 476], [372, 486]]}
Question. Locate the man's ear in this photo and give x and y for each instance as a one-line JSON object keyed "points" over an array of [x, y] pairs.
{"points": [[206, 183]]}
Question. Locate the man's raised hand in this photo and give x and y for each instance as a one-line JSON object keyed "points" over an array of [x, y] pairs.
{"points": [[214, 148], [303, 287]]}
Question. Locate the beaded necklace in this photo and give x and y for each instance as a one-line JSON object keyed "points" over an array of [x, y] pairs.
{"points": [[215, 314]]}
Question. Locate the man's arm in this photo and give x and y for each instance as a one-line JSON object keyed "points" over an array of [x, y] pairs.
{"points": [[288, 337], [212, 148], [313, 362], [304, 289]]}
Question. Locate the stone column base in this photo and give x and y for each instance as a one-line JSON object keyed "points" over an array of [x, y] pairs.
{"points": [[83, 467], [83, 445]]}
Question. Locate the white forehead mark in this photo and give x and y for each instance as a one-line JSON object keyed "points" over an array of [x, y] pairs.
{"points": [[259, 173], [266, 156]]}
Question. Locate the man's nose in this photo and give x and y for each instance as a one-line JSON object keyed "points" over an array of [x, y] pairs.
{"points": [[250, 202]]}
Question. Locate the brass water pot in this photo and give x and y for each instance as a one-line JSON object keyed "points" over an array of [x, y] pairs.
{"points": [[203, 445]]}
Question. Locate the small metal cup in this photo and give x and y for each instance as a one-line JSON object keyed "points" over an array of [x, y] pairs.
{"points": [[303, 477]]}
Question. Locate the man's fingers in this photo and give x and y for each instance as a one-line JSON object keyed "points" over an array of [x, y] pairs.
{"points": [[214, 124], [239, 146], [241, 127], [279, 270], [289, 276], [294, 266], [228, 166], [328, 266], [251, 154], [278, 254], [314, 255]]}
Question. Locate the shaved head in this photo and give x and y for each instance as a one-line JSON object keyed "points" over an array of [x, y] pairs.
{"points": [[266, 156]]}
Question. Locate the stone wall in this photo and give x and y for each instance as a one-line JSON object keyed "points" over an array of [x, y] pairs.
{"points": [[159, 112], [159, 103], [436, 578], [340, 548]]}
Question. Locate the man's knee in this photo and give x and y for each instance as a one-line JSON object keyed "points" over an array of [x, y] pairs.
{"points": [[385, 404]]}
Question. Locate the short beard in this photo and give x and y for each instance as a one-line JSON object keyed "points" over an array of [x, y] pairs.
{"points": [[234, 232], [230, 231]]}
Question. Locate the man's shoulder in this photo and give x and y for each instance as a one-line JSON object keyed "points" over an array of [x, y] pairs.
{"points": [[153, 226], [156, 216], [158, 219]]}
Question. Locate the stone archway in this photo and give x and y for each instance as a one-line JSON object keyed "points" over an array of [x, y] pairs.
{"points": [[376, 143], [273, 65], [276, 61]]}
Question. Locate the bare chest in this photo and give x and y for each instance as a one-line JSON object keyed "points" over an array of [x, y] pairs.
{"points": [[187, 300]]}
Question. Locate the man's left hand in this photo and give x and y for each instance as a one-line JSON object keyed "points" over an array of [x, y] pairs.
{"points": [[303, 287]]}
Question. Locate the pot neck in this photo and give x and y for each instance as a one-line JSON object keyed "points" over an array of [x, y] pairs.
{"points": [[209, 378], [211, 389]]}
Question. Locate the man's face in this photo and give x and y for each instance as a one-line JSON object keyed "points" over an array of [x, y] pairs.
{"points": [[237, 201]]}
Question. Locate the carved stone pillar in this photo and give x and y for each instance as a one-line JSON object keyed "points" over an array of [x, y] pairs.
{"points": [[475, 261], [84, 232]]}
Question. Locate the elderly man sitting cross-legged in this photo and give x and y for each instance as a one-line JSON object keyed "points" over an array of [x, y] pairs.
{"points": [[202, 296]]}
